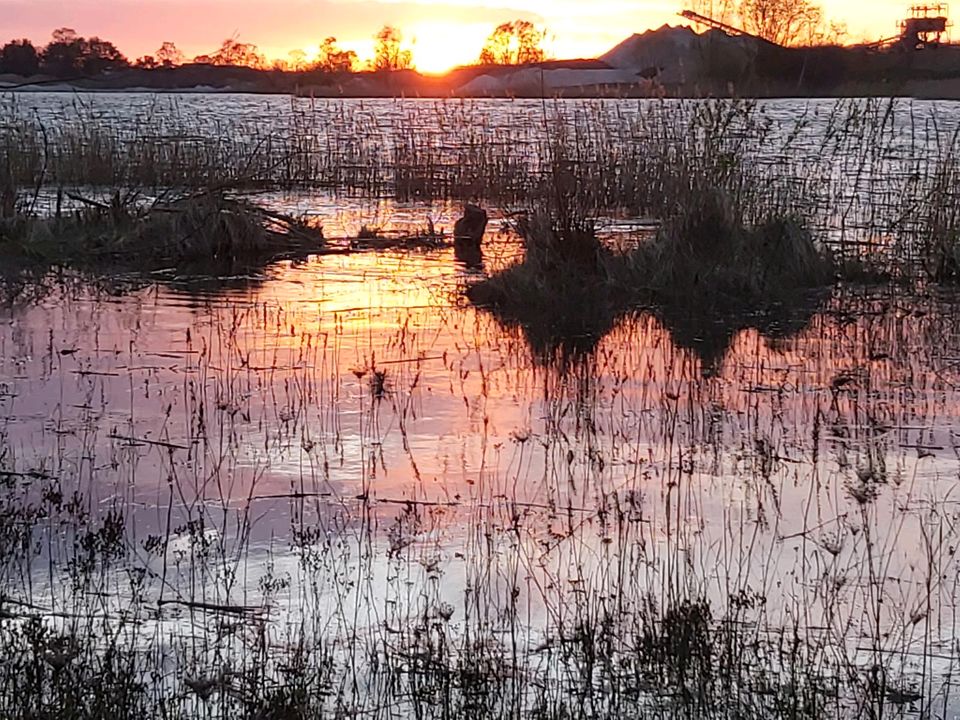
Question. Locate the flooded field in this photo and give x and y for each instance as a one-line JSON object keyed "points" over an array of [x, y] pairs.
{"points": [[334, 486]]}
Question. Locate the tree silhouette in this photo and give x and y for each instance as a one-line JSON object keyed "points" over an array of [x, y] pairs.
{"points": [[69, 54], [297, 61], [235, 53], [19, 57], [514, 43], [169, 55], [64, 35], [389, 54], [334, 60], [784, 22], [101, 56], [62, 57]]}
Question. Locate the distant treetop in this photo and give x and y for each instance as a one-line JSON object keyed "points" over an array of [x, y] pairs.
{"points": [[514, 43], [389, 54], [19, 57], [235, 53]]}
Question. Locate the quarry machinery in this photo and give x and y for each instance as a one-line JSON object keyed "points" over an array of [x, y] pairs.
{"points": [[712, 23], [923, 29], [715, 24]]}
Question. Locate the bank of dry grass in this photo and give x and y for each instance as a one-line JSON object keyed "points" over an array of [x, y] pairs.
{"points": [[206, 228]]}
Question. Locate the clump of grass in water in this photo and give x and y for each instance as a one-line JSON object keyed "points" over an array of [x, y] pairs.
{"points": [[570, 289], [204, 229], [708, 253], [562, 289]]}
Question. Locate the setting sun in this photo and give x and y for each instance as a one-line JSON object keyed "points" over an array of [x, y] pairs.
{"points": [[440, 46]]}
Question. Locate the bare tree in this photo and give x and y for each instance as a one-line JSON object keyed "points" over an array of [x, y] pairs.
{"points": [[334, 60], [784, 22], [514, 43], [389, 54], [169, 55], [235, 53]]}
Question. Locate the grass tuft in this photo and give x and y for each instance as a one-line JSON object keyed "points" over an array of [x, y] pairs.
{"points": [[704, 272], [207, 229], [707, 254]]}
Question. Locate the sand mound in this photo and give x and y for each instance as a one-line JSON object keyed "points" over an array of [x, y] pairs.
{"points": [[679, 55]]}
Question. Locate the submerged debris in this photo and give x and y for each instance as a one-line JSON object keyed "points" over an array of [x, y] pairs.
{"points": [[375, 238]]}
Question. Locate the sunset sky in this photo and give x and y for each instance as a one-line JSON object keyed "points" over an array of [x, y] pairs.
{"points": [[441, 34]]}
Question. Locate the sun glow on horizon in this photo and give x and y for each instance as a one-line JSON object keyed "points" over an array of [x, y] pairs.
{"points": [[441, 34], [441, 46]]}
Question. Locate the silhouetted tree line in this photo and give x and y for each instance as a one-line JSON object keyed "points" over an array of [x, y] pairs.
{"points": [[69, 55]]}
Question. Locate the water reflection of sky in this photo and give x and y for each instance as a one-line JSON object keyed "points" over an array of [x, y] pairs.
{"points": [[260, 373], [255, 406]]}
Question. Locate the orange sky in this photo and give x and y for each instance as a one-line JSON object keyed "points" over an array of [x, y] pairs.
{"points": [[442, 33]]}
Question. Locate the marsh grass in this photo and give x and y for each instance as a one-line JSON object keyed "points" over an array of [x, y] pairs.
{"points": [[585, 583], [596, 596], [707, 254], [705, 272], [870, 178], [207, 229], [562, 293]]}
